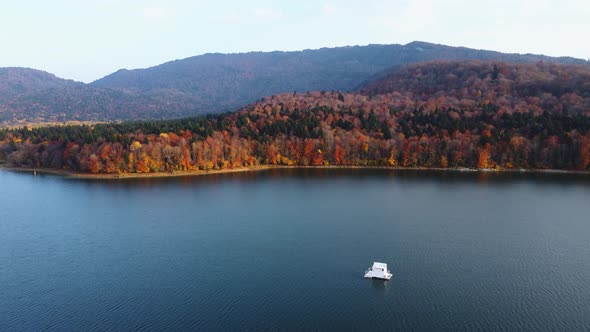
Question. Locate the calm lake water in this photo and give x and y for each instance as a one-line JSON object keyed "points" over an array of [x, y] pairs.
{"points": [[287, 249]]}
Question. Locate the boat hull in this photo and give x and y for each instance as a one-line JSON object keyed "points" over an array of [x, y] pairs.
{"points": [[386, 277], [377, 278]]}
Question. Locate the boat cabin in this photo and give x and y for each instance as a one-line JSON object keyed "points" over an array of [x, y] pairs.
{"points": [[378, 271]]}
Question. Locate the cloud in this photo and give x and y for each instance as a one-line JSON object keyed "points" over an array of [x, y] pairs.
{"points": [[329, 9], [267, 13], [105, 3], [415, 17], [255, 16], [157, 13], [230, 17]]}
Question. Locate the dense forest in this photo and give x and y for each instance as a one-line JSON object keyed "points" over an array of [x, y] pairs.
{"points": [[515, 88], [484, 115], [214, 83]]}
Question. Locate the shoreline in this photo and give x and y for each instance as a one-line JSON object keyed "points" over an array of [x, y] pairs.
{"points": [[119, 176], [79, 175]]}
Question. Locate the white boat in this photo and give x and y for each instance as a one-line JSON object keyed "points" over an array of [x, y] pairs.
{"points": [[378, 271]]}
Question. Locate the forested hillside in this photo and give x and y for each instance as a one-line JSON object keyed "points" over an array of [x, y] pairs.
{"points": [[514, 88], [227, 81], [85, 103], [17, 81], [214, 83], [538, 123]]}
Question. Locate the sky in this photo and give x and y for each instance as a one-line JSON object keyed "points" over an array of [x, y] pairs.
{"points": [[87, 39]]}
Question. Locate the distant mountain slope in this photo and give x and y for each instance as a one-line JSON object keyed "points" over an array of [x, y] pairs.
{"points": [[221, 82], [92, 104], [15, 81], [34, 96], [215, 82]]}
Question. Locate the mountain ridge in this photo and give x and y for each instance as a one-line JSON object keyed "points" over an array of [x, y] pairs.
{"points": [[217, 82], [17, 80], [416, 43]]}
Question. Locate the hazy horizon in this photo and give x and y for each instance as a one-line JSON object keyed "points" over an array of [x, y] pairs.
{"points": [[86, 41]]}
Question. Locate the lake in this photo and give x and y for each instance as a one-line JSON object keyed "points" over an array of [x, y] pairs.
{"points": [[287, 250]]}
